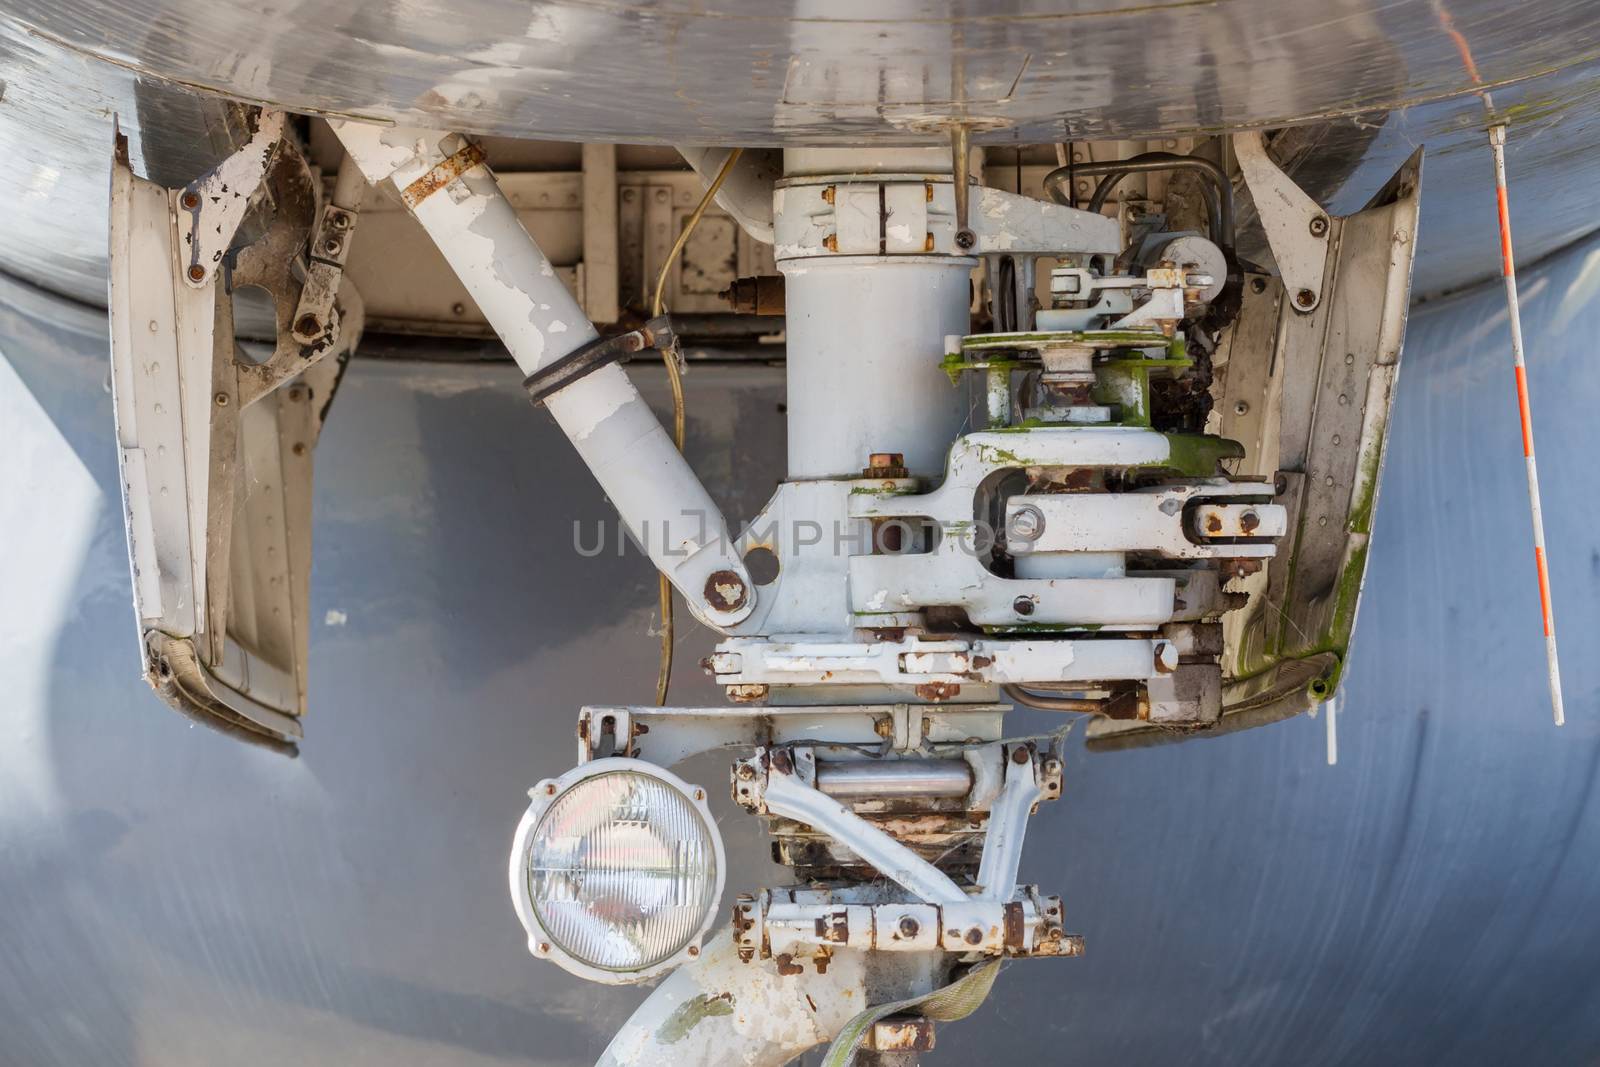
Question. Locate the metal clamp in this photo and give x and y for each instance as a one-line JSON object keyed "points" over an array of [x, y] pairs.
{"points": [[582, 362]]}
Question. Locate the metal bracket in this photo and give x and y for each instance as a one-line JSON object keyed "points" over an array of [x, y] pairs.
{"points": [[1297, 227], [582, 362], [216, 202]]}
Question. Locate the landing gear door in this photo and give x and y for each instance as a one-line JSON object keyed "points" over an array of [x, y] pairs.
{"points": [[1309, 393], [215, 447]]}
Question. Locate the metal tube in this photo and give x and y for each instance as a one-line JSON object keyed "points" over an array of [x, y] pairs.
{"points": [[1497, 144], [895, 778], [442, 179], [1114, 170]]}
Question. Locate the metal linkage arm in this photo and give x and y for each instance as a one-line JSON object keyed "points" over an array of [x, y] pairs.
{"points": [[446, 186]]}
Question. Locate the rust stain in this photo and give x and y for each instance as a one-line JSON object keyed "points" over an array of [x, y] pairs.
{"points": [[445, 172]]}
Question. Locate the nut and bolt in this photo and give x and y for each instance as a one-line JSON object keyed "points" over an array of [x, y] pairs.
{"points": [[1027, 523], [1319, 226], [885, 465], [1022, 605], [1248, 521]]}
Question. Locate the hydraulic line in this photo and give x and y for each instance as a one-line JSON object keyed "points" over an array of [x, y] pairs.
{"points": [[1058, 184], [675, 377]]}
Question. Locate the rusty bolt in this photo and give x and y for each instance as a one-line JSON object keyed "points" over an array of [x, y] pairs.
{"points": [[544, 946], [333, 246], [1248, 521], [550, 790], [745, 771], [694, 950], [1305, 298], [1019, 755], [885, 465], [190, 201], [299, 448], [974, 936], [1213, 524], [221, 399], [1258, 285], [1027, 523], [1022, 605], [197, 273], [307, 326], [909, 926], [725, 591], [1319, 226]]}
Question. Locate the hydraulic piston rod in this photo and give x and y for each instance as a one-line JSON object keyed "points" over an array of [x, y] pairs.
{"points": [[895, 778], [445, 184]]}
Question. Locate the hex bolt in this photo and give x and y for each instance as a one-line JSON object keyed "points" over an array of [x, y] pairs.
{"points": [[1319, 226], [1022, 605], [1027, 523], [190, 201], [909, 926]]}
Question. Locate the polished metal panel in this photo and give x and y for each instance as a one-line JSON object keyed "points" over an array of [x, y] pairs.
{"points": [[174, 898]]}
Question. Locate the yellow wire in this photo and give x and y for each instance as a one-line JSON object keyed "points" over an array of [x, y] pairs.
{"points": [[664, 671]]}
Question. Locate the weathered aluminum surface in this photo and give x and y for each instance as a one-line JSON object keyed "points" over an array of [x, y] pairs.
{"points": [[793, 71], [175, 898]]}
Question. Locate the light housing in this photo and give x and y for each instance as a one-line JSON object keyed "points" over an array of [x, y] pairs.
{"points": [[616, 870]]}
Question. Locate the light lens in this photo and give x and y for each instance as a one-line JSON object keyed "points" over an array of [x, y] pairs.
{"points": [[622, 871]]}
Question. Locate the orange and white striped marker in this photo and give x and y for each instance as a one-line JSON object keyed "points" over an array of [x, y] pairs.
{"points": [[1497, 142]]}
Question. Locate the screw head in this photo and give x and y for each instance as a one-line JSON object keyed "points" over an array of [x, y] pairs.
{"points": [[333, 246], [1319, 226], [307, 325], [197, 273], [909, 926], [1022, 605], [1305, 298], [458, 309], [1241, 408], [221, 399], [341, 221], [965, 239], [1027, 523], [1258, 285], [190, 201]]}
